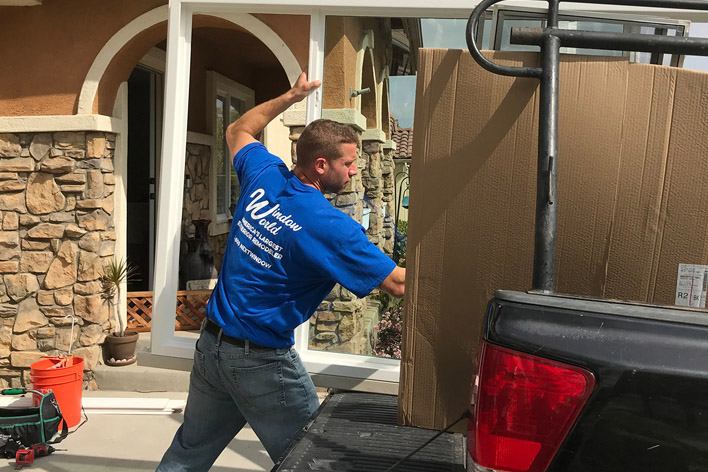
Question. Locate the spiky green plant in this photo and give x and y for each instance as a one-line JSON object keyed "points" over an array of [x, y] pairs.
{"points": [[115, 272]]}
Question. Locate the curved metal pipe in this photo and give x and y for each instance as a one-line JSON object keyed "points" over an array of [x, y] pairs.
{"points": [[472, 25]]}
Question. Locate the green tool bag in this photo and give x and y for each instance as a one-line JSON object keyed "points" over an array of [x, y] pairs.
{"points": [[20, 428]]}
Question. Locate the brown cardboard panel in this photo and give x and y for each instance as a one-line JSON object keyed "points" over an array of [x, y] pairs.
{"points": [[644, 151], [685, 196], [458, 184], [632, 145], [587, 182]]}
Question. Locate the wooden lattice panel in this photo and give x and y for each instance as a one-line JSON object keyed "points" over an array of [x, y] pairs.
{"points": [[139, 308], [191, 310]]}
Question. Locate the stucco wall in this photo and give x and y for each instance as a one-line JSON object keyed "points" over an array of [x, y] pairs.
{"points": [[295, 31], [341, 42], [51, 47], [343, 39], [385, 112], [368, 100]]}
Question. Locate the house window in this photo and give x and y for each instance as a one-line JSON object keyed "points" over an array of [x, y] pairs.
{"points": [[230, 100]]}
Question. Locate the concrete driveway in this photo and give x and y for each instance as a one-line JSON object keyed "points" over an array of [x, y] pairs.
{"points": [[136, 442]]}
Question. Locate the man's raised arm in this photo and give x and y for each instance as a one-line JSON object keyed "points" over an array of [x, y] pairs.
{"points": [[244, 130]]}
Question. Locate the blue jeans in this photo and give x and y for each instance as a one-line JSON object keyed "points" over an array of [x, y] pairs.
{"points": [[230, 386]]}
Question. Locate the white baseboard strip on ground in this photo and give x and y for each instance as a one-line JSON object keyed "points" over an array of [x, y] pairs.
{"points": [[110, 405]]}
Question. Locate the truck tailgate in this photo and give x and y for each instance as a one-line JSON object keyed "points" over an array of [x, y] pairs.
{"points": [[355, 431]]}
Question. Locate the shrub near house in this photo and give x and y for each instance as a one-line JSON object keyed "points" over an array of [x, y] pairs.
{"points": [[389, 333]]}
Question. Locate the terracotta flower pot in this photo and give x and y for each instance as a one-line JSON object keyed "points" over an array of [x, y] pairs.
{"points": [[121, 349]]}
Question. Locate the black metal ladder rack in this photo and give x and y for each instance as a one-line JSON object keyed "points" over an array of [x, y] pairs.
{"points": [[550, 39]]}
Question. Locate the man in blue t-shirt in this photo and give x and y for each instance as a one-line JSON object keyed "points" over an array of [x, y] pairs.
{"points": [[286, 250]]}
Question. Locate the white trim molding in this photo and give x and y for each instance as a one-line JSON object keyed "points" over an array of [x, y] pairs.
{"points": [[374, 134], [48, 123], [20, 3], [155, 59], [347, 116], [120, 195]]}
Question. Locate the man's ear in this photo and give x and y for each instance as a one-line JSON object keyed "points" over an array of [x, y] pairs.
{"points": [[321, 165]]}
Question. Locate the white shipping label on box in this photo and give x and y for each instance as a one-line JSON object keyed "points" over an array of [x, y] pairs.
{"points": [[691, 285]]}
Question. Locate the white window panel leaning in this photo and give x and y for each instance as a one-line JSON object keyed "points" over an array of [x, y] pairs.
{"points": [[164, 340]]}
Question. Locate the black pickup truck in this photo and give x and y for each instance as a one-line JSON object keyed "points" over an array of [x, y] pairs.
{"points": [[573, 384]]}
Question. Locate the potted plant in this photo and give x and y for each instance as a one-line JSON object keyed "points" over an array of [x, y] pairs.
{"points": [[119, 344]]}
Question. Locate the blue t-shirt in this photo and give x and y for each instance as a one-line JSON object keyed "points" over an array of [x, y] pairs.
{"points": [[287, 248]]}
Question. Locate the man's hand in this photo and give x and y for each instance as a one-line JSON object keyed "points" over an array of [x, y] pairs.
{"points": [[302, 88], [395, 283], [244, 130]]}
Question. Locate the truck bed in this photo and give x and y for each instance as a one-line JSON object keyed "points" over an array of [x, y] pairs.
{"points": [[355, 431]]}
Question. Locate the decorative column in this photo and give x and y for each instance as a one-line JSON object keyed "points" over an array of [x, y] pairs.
{"points": [[387, 168]]}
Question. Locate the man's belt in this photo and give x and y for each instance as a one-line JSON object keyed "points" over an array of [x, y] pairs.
{"points": [[214, 328]]}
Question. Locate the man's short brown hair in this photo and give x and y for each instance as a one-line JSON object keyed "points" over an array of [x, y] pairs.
{"points": [[322, 138]]}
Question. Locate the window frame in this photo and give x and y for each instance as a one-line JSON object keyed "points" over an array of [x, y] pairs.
{"points": [[218, 85]]}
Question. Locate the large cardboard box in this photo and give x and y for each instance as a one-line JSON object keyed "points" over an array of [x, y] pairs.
{"points": [[632, 196]]}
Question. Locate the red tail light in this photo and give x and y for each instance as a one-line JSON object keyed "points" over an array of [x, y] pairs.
{"points": [[524, 407]]}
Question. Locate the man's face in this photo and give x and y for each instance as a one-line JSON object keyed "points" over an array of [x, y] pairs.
{"points": [[340, 170]]}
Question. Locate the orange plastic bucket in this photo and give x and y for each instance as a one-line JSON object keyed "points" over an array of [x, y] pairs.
{"points": [[63, 376]]}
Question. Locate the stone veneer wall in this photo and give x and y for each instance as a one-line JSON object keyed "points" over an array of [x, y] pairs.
{"points": [[387, 174], [343, 322], [56, 208], [196, 199], [377, 178]]}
